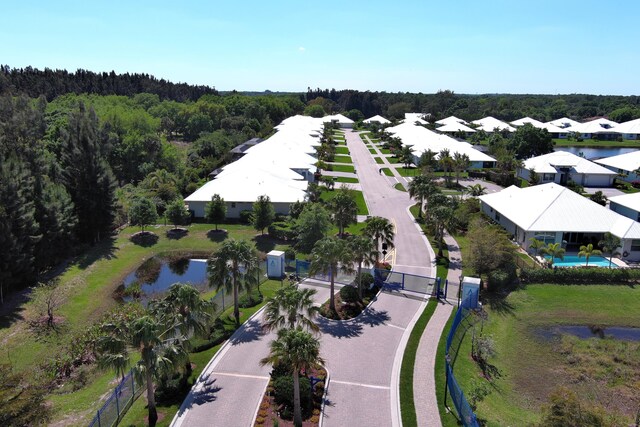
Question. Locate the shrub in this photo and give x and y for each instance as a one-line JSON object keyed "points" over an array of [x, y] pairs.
{"points": [[584, 275], [246, 216], [636, 184], [172, 389], [349, 294], [282, 231], [500, 280], [249, 300], [289, 254], [283, 393], [367, 280]]}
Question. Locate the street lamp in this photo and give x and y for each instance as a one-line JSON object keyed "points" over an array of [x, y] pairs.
{"points": [[461, 277]]}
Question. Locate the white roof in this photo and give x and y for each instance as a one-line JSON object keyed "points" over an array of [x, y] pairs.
{"points": [[631, 201], [378, 119], [553, 128], [488, 124], [627, 161], [535, 123], [548, 163], [337, 118], [594, 126], [412, 118], [455, 127], [421, 139], [551, 207], [630, 127], [564, 122], [451, 119]]}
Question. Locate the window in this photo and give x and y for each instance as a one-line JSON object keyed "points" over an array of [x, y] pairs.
{"points": [[497, 216], [546, 238], [233, 204], [635, 245], [548, 177]]}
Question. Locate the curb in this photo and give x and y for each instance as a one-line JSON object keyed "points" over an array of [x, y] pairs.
{"points": [[327, 380]]}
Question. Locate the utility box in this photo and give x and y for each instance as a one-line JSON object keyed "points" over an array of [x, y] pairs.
{"points": [[470, 292], [275, 265]]}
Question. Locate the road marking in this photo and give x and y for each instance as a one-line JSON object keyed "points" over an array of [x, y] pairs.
{"points": [[395, 326], [380, 387], [230, 374]]}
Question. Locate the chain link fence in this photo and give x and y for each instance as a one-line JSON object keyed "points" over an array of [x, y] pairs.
{"points": [[117, 404]]}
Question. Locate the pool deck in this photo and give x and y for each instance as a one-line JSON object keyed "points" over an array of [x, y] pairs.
{"points": [[604, 262]]}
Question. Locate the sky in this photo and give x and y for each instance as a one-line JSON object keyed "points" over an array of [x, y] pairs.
{"points": [[480, 46]]}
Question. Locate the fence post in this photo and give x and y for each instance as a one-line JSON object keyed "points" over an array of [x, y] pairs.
{"points": [[98, 416], [402, 280], [446, 287], [117, 403], [133, 385]]}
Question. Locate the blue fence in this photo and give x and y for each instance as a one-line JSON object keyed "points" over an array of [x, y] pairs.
{"points": [[117, 404], [460, 402], [391, 280]]}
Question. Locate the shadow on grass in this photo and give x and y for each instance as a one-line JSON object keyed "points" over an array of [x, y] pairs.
{"points": [[499, 304], [176, 233], [217, 235], [265, 243], [103, 250], [145, 239]]}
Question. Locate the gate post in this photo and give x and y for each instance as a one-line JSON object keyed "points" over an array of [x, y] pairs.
{"points": [[402, 280], [446, 288]]}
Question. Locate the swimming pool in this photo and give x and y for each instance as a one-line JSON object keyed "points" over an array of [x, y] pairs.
{"points": [[576, 261]]}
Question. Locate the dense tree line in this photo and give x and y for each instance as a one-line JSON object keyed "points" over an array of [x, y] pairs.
{"points": [[470, 107], [53, 83]]}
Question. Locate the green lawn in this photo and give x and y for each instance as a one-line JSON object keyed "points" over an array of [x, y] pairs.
{"points": [[362, 206], [342, 159], [373, 151], [448, 417], [408, 171], [595, 143], [392, 160], [387, 171], [347, 180], [91, 281], [385, 151], [378, 160], [342, 150], [343, 168], [602, 372], [399, 187]]}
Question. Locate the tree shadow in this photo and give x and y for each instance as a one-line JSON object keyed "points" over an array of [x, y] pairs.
{"points": [[265, 243], [250, 331], [13, 309], [499, 304], [373, 317], [145, 239], [105, 249], [176, 233], [340, 329], [217, 235], [205, 394]]}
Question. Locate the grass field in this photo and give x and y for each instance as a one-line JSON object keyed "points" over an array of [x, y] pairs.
{"points": [[387, 171], [595, 143], [342, 159], [408, 171], [603, 372], [392, 160], [385, 151], [343, 168], [342, 150], [90, 281], [362, 206], [347, 180], [399, 187], [378, 160], [373, 151]]}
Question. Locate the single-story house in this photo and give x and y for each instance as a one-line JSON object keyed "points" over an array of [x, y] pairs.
{"points": [[377, 119], [452, 128], [450, 120], [626, 165], [555, 214], [599, 128], [341, 120], [562, 166], [412, 118], [555, 131], [563, 122], [628, 130], [521, 122], [489, 124], [627, 205]]}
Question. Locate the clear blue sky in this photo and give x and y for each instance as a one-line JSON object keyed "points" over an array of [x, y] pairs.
{"points": [[559, 46]]}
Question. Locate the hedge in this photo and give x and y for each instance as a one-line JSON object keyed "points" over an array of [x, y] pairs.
{"points": [[282, 231], [583, 275]]}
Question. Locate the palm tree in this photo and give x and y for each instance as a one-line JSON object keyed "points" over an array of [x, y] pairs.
{"points": [[461, 163], [381, 230], [329, 256], [406, 156], [476, 190], [609, 245], [298, 350], [364, 250], [291, 308], [160, 351], [446, 162], [183, 308], [420, 188], [587, 251], [345, 209], [231, 267], [537, 246], [554, 250], [443, 217]]}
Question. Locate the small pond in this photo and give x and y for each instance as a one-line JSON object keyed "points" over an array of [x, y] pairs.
{"points": [[596, 153], [586, 332], [156, 275]]}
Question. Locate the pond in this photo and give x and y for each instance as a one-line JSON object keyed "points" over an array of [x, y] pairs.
{"points": [[596, 153], [586, 332], [156, 275]]}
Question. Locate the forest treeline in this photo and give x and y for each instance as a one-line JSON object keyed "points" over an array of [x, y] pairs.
{"points": [[471, 107]]}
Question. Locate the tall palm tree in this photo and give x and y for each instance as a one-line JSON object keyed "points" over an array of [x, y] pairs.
{"points": [[329, 256], [554, 250], [610, 245], [183, 308], [443, 217], [420, 188], [291, 308], [537, 246], [344, 209], [231, 267], [587, 251], [299, 350], [381, 230], [461, 163], [160, 352], [446, 162], [476, 190], [364, 250], [406, 156]]}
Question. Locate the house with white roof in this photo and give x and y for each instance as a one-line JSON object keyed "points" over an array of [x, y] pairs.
{"points": [[563, 122], [521, 122], [555, 214], [599, 128], [412, 118], [377, 119], [341, 120], [489, 124], [626, 165], [561, 167], [450, 120], [555, 131], [628, 130], [627, 205], [452, 128]]}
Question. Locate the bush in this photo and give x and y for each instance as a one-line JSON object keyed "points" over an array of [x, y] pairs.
{"points": [[367, 280], [282, 231], [249, 300], [246, 216], [283, 394], [173, 389], [584, 275], [500, 280], [289, 254], [349, 294]]}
